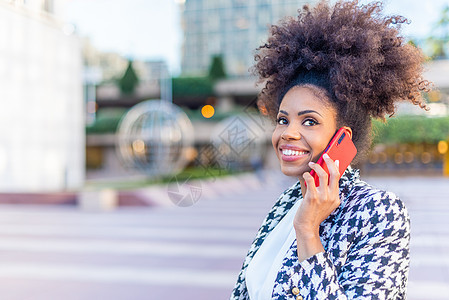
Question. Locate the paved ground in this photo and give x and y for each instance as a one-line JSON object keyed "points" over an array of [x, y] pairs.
{"points": [[427, 199], [168, 252]]}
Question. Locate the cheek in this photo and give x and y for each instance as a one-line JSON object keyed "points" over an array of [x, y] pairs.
{"points": [[317, 156], [320, 145]]}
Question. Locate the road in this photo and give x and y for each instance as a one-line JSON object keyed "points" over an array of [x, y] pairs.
{"points": [[169, 252]]}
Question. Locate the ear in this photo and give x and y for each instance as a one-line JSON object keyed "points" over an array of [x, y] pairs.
{"points": [[349, 131]]}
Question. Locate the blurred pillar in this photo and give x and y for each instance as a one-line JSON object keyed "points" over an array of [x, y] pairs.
{"points": [[446, 164], [91, 78], [166, 85], [443, 149]]}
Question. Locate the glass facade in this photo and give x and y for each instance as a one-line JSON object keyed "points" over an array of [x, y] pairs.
{"points": [[231, 28]]}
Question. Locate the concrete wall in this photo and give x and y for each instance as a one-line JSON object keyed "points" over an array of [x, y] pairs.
{"points": [[41, 106]]}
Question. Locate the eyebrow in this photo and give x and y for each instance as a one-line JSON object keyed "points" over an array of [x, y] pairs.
{"points": [[302, 112]]}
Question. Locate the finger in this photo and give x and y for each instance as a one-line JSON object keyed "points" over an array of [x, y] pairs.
{"points": [[322, 175], [334, 172], [310, 181]]}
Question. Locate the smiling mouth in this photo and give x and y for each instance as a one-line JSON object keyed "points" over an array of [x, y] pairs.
{"points": [[288, 152], [290, 155]]}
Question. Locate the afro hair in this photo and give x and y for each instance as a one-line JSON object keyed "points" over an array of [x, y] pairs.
{"points": [[366, 65]]}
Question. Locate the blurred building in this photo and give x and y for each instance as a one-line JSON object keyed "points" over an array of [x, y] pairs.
{"points": [[232, 28], [42, 123], [149, 73], [110, 65], [102, 71]]}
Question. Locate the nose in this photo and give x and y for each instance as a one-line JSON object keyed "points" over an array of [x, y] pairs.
{"points": [[290, 133]]}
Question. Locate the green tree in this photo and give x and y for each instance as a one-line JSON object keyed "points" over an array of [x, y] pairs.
{"points": [[129, 81], [413, 43], [411, 129], [438, 43], [443, 23], [436, 46], [217, 69], [192, 86], [106, 121]]}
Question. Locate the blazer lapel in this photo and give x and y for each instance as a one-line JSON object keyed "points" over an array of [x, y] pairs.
{"points": [[277, 212]]}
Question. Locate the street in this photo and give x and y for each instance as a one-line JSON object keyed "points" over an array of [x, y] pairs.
{"points": [[51, 252]]}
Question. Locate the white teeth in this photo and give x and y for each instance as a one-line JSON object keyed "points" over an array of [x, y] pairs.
{"points": [[289, 152]]}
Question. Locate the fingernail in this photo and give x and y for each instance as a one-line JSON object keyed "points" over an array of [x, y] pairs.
{"points": [[337, 162], [325, 155], [311, 163]]}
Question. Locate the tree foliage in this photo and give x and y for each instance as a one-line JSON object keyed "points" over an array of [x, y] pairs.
{"points": [[129, 81], [192, 86], [411, 129], [438, 41], [106, 121], [217, 68]]}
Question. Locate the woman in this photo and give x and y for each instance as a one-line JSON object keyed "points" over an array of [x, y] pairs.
{"points": [[332, 67]]}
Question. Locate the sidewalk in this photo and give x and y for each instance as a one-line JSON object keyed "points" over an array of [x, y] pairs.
{"points": [[52, 252], [426, 199]]}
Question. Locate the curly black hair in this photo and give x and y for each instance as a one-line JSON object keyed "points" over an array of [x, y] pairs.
{"points": [[351, 52]]}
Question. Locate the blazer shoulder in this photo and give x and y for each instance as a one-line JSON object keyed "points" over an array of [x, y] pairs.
{"points": [[376, 204]]}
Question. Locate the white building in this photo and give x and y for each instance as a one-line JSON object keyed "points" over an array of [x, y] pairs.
{"points": [[41, 102]]}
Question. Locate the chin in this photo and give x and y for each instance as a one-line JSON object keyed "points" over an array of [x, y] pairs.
{"points": [[292, 172]]}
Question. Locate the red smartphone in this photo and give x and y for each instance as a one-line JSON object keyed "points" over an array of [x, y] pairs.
{"points": [[339, 148]]}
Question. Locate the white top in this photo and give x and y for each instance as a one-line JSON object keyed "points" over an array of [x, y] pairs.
{"points": [[266, 263]]}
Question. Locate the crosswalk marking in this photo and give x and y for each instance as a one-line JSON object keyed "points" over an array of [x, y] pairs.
{"points": [[64, 245], [219, 234], [425, 290], [158, 276], [201, 247]]}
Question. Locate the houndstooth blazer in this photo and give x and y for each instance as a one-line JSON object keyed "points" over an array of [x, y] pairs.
{"points": [[366, 241]]}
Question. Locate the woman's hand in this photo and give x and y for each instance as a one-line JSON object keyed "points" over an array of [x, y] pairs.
{"points": [[318, 204]]}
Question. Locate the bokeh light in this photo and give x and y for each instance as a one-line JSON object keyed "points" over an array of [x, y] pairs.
{"points": [[442, 147], [208, 111]]}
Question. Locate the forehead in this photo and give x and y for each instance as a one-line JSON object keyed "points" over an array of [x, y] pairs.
{"points": [[299, 98]]}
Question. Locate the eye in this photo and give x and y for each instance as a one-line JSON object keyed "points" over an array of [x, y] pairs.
{"points": [[281, 121], [310, 122]]}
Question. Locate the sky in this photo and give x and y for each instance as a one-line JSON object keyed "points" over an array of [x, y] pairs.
{"points": [[151, 29], [139, 29]]}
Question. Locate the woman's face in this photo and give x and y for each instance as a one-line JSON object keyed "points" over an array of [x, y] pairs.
{"points": [[305, 125]]}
